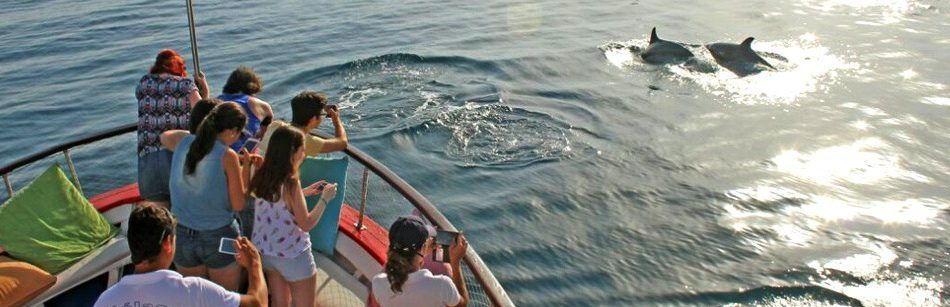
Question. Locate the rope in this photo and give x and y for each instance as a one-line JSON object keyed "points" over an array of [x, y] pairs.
{"points": [[194, 36]]}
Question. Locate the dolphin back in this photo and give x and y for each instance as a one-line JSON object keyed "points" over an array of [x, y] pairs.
{"points": [[664, 52], [747, 46]]}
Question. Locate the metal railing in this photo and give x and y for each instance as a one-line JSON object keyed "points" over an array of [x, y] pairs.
{"points": [[486, 281]]}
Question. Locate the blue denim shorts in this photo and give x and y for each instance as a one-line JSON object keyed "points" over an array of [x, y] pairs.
{"points": [[153, 175], [200, 247], [246, 217], [293, 269]]}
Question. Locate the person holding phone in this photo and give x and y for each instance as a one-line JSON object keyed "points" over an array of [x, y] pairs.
{"points": [[242, 86], [207, 185], [404, 281], [151, 238], [309, 108], [282, 221]]}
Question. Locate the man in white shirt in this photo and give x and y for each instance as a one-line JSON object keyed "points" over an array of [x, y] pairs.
{"points": [[151, 239], [405, 283]]}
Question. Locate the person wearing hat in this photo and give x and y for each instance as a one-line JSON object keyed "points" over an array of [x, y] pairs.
{"points": [[404, 281]]}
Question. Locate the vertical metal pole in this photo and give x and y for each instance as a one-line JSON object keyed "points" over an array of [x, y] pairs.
{"points": [[6, 180], [359, 222], [72, 170], [194, 36]]}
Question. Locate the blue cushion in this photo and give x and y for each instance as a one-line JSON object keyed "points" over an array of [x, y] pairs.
{"points": [[323, 236]]}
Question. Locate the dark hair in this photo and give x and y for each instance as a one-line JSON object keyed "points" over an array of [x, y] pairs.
{"points": [[398, 266], [169, 62], [243, 80], [306, 105], [199, 111], [227, 115], [407, 237], [149, 225], [278, 167]]}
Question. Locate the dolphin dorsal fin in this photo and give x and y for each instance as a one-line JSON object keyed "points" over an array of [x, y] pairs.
{"points": [[653, 36], [747, 43]]}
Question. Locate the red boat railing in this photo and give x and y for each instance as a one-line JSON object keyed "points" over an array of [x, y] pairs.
{"points": [[482, 275]]}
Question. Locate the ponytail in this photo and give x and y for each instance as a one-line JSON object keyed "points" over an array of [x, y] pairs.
{"points": [[398, 266], [223, 117]]}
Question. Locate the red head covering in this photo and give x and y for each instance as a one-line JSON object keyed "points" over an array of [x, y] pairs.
{"points": [[169, 62]]}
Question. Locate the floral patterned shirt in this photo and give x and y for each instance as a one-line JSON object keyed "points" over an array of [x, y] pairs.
{"points": [[163, 105]]}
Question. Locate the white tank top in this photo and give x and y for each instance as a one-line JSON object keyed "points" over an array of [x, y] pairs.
{"points": [[275, 232]]}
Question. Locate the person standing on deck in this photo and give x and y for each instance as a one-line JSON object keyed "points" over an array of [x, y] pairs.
{"points": [[165, 97], [207, 186], [282, 220], [240, 88]]}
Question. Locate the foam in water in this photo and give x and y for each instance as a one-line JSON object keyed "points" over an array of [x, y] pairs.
{"points": [[353, 98], [618, 55]]}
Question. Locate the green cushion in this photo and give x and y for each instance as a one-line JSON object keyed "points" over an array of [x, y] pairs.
{"points": [[50, 224]]}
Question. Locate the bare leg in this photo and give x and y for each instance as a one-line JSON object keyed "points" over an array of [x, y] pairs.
{"points": [[278, 288], [304, 292], [228, 277], [197, 271]]}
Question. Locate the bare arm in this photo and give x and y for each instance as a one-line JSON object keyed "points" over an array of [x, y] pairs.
{"points": [[261, 108], [248, 258], [339, 142], [456, 252], [171, 138], [232, 170], [294, 197]]}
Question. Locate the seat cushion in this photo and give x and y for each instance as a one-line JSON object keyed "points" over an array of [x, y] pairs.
{"points": [[21, 281], [50, 224], [323, 236]]}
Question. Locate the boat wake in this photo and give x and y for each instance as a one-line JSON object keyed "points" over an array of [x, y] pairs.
{"points": [[450, 106]]}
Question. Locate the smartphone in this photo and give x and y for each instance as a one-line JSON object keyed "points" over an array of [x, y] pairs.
{"points": [[329, 107], [227, 246], [446, 239], [251, 145]]}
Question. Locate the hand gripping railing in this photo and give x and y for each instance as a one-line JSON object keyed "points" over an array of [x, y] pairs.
{"points": [[492, 288]]}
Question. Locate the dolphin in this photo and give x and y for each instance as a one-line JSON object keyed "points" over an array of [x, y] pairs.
{"points": [[664, 52], [738, 58]]}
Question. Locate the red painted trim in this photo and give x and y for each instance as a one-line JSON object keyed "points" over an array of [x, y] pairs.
{"points": [[374, 239], [109, 200]]}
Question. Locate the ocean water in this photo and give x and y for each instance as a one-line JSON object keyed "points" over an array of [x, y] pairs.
{"points": [[581, 175]]}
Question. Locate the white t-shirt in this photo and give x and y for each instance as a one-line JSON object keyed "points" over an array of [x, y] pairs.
{"points": [[166, 288], [420, 289]]}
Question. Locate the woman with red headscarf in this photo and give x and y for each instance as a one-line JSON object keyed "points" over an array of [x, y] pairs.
{"points": [[165, 96]]}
